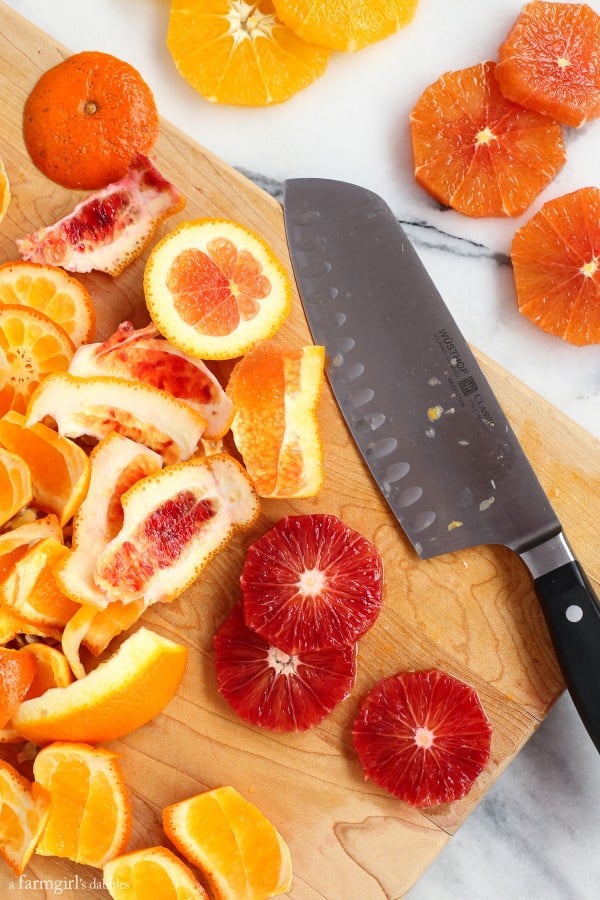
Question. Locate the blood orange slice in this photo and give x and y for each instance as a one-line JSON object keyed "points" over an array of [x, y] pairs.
{"points": [[277, 690], [144, 355], [423, 736], [311, 583], [110, 228]]}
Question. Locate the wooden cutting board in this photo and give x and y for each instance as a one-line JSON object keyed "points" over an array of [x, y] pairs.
{"points": [[472, 613]]}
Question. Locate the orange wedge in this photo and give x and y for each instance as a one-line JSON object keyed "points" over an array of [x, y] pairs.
{"points": [[214, 289], [4, 191], [346, 25], [51, 669], [152, 872], [14, 544], [15, 485], [17, 671], [24, 811], [95, 628], [125, 691], [31, 589]]}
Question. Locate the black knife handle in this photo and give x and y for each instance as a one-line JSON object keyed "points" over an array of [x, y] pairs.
{"points": [[572, 613]]}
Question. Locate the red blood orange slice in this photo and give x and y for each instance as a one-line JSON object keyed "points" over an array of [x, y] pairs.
{"points": [[276, 690], [311, 583], [110, 228], [143, 355], [423, 736]]}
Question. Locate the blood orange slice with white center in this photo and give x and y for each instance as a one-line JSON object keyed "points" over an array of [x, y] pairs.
{"points": [[311, 583], [423, 736], [276, 690]]}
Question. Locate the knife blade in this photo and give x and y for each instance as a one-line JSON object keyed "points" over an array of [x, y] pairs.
{"points": [[423, 414]]}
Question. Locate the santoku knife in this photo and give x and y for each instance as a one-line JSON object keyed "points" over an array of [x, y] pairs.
{"points": [[423, 414]]}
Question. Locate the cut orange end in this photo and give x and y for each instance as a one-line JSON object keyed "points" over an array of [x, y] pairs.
{"points": [[214, 289], [24, 811], [51, 669], [478, 152], [238, 52], [550, 61], [31, 589], [121, 694], [346, 25], [16, 674], [16, 490], [556, 264], [275, 392], [152, 872], [90, 816], [5, 196], [234, 845]]}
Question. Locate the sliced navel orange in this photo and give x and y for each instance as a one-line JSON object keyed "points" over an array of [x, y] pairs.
{"points": [[16, 490], [151, 872], [24, 811]]}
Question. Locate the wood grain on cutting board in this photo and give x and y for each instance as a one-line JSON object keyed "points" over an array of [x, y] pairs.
{"points": [[472, 613]]}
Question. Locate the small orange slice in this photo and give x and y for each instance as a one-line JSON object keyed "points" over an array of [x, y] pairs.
{"points": [[214, 289], [95, 628], [16, 675], [15, 543], [234, 845], [152, 872], [24, 811], [31, 589], [51, 669], [90, 816], [16, 490], [5, 196]]}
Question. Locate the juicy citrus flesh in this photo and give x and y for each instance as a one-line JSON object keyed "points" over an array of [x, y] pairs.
{"points": [[15, 543], [478, 152], [31, 589], [556, 259], [86, 117], [125, 691], [238, 850], [423, 736], [52, 291], [90, 817], [240, 53], [24, 811], [276, 690], [214, 289], [275, 392], [345, 25], [16, 489], [550, 61], [5, 195], [151, 872], [17, 672]]}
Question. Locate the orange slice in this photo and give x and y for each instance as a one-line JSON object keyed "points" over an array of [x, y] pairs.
{"points": [[478, 152], [12, 625], [275, 392], [34, 346], [550, 61], [237, 849], [17, 671], [24, 811], [15, 543], [31, 589], [51, 669], [95, 628], [214, 289], [15, 485], [90, 816], [174, 522], [238, 52], [97, 406], [5, 196], [345, 24], [51, 291], [152, 872], [60, 469]]}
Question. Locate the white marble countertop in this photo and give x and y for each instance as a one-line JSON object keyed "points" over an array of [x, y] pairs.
{"points": [[536, 833]]}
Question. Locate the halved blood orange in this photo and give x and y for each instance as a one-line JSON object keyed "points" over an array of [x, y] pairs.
{"points": [[96, 406], [478, 152], [550, 61], [311, 583], [144, 355], [423, 736], [16, 489], [214, 289], [277, 690], [174, 522], [556, 264]]}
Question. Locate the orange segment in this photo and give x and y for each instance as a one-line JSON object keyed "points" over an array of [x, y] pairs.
{"points": [[17, 671], [121, 694], [238, 52], [550, 61], [15, 485], [51, 669], [31, 589], [24, 811], [275, 392], [238, 850], [214, 289], [345, 24], [5, 196], [90, 817], [478, 152], [152, 872]]}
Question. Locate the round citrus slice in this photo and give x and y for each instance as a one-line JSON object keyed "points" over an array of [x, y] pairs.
{"points": [[423, 736], [311, 583], [556, 265], [174, 522], [16, 675], [277, 690], [5, 196], [275, 393], [98, 406], [478, 152], [51, 291], [90, 815], [214, 289], [238, 52], [15, 485], [235, 846], [124, 692], [25, 809], [550, 61], [152, 872]]}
